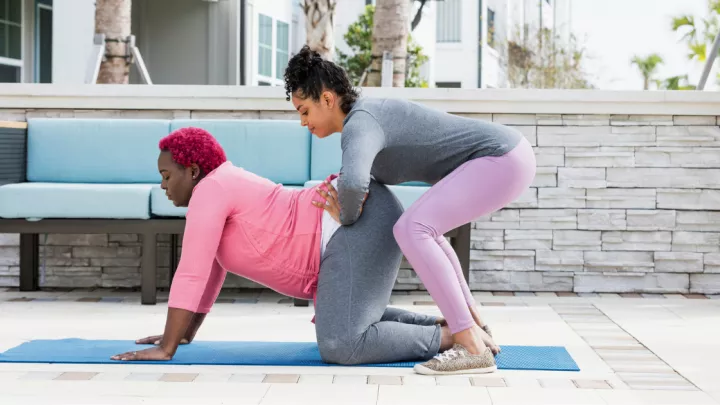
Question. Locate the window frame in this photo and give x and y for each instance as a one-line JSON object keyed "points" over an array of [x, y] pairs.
{"points": [[6, 60], [272, 79]]}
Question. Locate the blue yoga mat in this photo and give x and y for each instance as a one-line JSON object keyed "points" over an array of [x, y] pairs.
{"points": [[239, 353]]}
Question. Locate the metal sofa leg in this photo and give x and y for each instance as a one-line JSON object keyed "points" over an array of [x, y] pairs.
{"points": [[148, 281], [461, 245], [297, 302], [29, 260], [174, 258]]}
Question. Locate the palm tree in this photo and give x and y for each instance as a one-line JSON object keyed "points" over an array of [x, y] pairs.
{"points": [[675, 83], [112, 18], [390, 33], [320, 26], [698, 35], [648, 67]]}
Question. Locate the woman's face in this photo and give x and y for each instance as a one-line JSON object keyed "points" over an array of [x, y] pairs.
{"points": [[177, 181], [318, 116]]}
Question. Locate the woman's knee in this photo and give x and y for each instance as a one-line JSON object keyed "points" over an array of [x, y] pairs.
{"points": [[401, 228], [409, 226], [336, 351]]}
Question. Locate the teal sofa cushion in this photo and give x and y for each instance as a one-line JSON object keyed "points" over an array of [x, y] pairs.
{"points": [[162, 207], [326, 157], [278, 150], [61, 200], [72, 150]]}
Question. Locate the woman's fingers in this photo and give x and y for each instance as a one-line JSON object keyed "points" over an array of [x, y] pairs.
{"points": [[149, 340], [124, 356], [332, 190]]}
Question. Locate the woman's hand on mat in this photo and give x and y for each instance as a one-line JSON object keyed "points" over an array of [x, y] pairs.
{"points": [[153, 353], [156, 340]]}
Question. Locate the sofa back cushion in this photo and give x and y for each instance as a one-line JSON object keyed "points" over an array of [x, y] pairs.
{"points": [[278, 150], [75, 150]]}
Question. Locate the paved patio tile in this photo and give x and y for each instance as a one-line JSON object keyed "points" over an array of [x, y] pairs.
{"points": [[75, 376], [592, 384], [178, 377], [350, 379], [281, 378], [316, 379], [487, 382], [385, 380]]}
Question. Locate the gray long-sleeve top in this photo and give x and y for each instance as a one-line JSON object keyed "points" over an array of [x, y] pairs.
{"points": [[397, 141]]}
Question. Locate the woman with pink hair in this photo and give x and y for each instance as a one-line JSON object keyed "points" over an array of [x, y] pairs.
{"points": [[292, 242]]}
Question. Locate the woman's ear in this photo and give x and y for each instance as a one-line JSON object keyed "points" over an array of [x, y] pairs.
{"points": [[195, 171], [328, 99]]}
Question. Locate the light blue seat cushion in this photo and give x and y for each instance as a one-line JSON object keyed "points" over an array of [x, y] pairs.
{"points": [[406, 194], [60, 200], [73, 150], [278, 150], [162, 207], [327, 159]]}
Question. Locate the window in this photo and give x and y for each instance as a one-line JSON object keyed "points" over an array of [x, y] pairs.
{"points": [[283, 49], [448, 21], [273, 50], [448, 85], [10, 41], [43, 41], [491, 28], [265, 47]]}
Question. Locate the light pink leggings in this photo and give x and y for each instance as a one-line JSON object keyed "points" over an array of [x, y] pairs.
{"points": [[475, 189]]}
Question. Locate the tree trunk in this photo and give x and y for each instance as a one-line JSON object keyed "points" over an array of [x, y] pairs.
{"points": [[390, 33], [112, 18], [319, 26]]}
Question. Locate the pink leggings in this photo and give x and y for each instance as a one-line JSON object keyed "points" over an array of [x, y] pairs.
{"points": [[475, 189]]}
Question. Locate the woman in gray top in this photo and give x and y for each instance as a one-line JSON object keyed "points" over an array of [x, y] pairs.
{"points": [[474, 167]]}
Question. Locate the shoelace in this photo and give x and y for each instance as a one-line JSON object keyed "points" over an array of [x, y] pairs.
{"points": [[448, 355]]}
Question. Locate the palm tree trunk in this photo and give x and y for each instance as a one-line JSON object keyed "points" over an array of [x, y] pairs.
{"points": [[390, 33], [112, 18], [319, 26]]}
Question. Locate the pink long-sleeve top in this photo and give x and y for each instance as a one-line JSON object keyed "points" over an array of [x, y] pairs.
{"points": [[247, 225]]}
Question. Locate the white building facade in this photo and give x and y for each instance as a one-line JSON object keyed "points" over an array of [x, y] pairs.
{"points": [[472, 36], [249, 42]]}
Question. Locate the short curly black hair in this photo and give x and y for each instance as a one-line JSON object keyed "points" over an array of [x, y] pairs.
{"points": [[309, 74]]}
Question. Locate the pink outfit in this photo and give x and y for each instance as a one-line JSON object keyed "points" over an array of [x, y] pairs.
{"points": [[247, 225], [475, 189]]}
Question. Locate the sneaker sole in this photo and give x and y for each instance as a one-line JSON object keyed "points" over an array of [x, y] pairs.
{"points": [[420, 369]]}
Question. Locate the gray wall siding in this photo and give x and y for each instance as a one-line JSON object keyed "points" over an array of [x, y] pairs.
{"points": [[12, 155]]}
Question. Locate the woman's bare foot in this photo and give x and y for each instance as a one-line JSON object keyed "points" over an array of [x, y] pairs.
{"points": [[471, 339], [487, 339]]}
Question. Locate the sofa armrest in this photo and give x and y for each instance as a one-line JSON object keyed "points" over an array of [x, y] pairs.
{"points": [[13, 152]]}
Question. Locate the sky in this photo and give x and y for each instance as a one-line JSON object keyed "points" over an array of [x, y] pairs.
{"points": [[616, 30]]}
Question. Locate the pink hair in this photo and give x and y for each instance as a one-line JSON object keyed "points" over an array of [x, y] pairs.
{"points": [[194, 145]]}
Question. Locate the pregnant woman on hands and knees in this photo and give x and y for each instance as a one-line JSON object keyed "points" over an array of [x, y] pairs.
{"points": [[474, 167], [290, 241]]}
